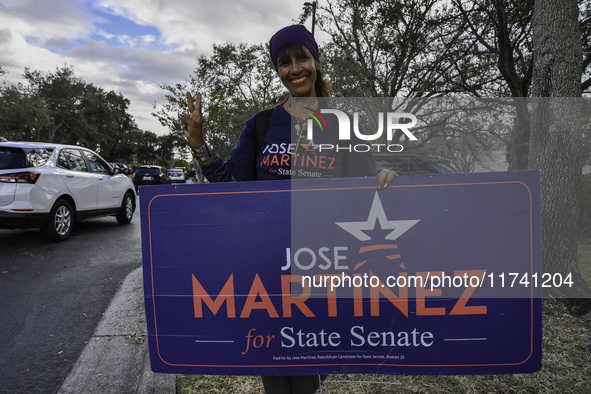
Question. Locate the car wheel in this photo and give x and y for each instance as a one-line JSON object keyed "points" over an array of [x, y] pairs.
{"points": [[60, 222], [126, 211]]}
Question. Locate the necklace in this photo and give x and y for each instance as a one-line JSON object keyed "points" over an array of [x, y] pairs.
{"points": [[300, 126], [300, 113]]}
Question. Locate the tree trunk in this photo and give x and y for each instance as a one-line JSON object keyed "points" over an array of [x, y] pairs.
{"points": [[556, 134], [520, 136]]}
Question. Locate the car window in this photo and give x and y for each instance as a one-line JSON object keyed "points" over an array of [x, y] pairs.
{"points": [[147, 171], [71, 159], [426, 168], [414, 164], [400, 167], [445, 169], [12, 158], [96, 163], [38, 156]]}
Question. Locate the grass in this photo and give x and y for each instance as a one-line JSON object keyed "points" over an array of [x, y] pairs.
{"points": [[566, 364], [566, 368]]}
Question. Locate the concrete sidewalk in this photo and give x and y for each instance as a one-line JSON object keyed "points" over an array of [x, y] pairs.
{"points": [[116, 358]]}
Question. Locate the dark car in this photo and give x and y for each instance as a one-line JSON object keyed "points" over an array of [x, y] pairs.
{"points": [[151, 175], [414, 163]]}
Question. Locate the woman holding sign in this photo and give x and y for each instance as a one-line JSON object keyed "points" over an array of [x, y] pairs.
{"points": [[270, 148]]}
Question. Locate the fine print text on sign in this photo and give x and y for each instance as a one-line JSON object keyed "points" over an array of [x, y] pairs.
{"points": [[334, 276]]}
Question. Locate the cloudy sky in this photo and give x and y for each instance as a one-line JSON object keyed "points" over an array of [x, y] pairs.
{"points": [[131, 46]]}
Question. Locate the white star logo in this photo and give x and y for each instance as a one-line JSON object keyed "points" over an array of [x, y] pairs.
{"points": [[377, 213]]}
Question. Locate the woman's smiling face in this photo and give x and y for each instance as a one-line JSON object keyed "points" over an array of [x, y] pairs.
{"points": [[297, 70]]}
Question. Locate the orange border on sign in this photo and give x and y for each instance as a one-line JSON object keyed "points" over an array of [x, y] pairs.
{"points": [[346, 364]]}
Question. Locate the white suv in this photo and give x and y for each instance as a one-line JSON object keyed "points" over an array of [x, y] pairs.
{"points": [[52, 186]]}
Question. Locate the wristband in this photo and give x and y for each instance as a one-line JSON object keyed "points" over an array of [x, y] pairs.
{"points": [[202, 153]]}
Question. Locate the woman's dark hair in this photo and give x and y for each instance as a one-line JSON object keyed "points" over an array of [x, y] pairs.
{"points": [[322, 85]]}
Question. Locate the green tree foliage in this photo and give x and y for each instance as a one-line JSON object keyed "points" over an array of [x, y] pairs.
{"points": [[23, 114], [236, 82], [81, 113], [180, 163], [146, 146], [62, 108]]}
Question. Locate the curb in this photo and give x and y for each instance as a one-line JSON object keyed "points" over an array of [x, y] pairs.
{"points": [[116, 358]]}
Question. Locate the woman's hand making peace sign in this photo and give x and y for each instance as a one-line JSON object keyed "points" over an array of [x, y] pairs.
{"points": [[193, 123]]}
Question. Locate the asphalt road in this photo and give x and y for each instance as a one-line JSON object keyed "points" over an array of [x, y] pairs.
{"points": [[53, 296]]}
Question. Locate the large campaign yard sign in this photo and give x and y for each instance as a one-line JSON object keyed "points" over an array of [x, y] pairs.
{"points": [[434, 275]]}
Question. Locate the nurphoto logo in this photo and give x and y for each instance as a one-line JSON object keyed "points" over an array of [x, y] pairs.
{"points": [[388, 122]]}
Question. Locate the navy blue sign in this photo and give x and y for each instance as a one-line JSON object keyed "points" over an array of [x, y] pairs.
{"points": [[434, 275]]}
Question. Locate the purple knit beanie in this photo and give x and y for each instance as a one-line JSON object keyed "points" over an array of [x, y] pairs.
{"points": [[295, 34]]}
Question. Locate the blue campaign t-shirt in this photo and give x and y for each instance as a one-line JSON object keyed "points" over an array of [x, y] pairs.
{"points": [[283, 156]]}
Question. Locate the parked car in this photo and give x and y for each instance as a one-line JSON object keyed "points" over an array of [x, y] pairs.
{"points": [[185, 171], [150, 175], [177, 175], [414, 163], [53, 186]]}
